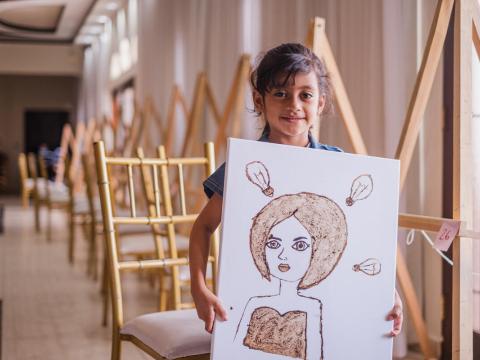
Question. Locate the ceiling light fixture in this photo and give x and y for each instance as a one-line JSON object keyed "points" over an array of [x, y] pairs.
{"points": [[111, 6]]}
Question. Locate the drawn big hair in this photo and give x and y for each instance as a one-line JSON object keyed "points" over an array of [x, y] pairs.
{"points": [[322, 218]]}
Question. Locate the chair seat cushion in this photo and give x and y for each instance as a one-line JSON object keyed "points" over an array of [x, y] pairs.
{"points": [[137, 244], [132, 242], [42, 188], [81, 205], [59, 197], [29, 183], [172, 334]]}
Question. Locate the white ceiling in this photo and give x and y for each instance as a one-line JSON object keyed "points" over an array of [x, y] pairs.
{"points": [[43, 20]]}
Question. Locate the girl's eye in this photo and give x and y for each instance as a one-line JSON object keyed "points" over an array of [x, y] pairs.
{"points": [[273, 244], [279, 94], [307, 95], [300, 246]]}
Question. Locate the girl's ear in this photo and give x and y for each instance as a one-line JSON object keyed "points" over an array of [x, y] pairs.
{"points": [[321, 104], [258, 102]]}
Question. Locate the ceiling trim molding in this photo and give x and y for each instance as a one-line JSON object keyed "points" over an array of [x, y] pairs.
{"points": [[34, 29]]}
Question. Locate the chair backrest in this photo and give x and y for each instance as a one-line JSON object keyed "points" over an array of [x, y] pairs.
{"points": [[159, 167], [42, 167], [89, 180], [151, 191], [22, 168], [32, 165]]}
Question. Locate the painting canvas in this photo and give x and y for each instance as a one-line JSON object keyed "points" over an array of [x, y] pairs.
{"points": [[307, 254]]}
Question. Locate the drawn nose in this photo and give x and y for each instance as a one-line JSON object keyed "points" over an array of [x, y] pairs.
{"points": [[282, 255]]}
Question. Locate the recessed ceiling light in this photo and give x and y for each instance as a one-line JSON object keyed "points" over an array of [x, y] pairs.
{"points": [[92, 30], [102, 19], [112, 5]]}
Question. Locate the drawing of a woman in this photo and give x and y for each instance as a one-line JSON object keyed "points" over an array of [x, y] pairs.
{"points": [[298, 239]]}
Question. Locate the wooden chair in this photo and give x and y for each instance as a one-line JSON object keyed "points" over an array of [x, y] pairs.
{"points": [[79, 208], [39, 189], [56, 194], [160, 234], [26, 183], [133, 242], [163, 335]]}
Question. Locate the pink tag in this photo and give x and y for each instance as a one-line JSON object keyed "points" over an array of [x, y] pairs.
{"points": [[446, 234]]}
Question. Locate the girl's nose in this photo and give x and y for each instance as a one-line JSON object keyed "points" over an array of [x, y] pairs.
{"points": [[294, 104], [282, 255]]}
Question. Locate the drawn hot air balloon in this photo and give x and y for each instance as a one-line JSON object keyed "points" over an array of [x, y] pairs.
{"points": [[369, 267], [362, 187], [258, 174]]}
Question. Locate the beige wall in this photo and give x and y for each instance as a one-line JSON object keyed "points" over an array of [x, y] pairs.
{"points": [[18, 93], [65, 60]]}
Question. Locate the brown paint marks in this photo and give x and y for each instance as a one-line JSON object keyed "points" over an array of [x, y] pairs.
{"points": [[271, 332]]}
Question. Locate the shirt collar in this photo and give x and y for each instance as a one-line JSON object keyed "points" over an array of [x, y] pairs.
{"points": [[312, 143]]}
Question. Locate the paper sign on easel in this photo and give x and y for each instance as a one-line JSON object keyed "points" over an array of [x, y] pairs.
{"points": [[446, 234]]}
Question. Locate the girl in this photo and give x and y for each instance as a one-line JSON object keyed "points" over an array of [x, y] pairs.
{"points": [[291, 90]]}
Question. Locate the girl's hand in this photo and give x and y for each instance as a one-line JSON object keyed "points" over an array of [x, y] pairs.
{"points": [[208, 305], [396, 314]]}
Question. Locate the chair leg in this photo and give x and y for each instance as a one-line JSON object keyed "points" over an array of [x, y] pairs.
{"points": [[92, 251], [116, 344], [163, 299], [71, 238], [104, 290], [25, 198], [49, 223], [37, 214], [95, 251]]}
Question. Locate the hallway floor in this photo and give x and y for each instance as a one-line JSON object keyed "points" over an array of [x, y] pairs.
{"points": [[50, 309]]}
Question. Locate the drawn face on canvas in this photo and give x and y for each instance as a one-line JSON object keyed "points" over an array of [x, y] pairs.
{"points": [[288, 250]]}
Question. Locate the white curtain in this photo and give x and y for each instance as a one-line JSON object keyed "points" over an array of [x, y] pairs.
{"points": [[476, 187]]}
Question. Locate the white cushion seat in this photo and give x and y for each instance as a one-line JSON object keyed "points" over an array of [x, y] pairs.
{"points": [[137, 244], [132, 242], [58, 191], [42, 188], [29, 184], [80, 205], [172, 334], [59, 197]]}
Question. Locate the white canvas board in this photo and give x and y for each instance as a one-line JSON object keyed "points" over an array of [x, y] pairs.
{"points": [[348, 280]]}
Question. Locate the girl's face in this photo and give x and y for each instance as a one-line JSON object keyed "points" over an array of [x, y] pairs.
{"points": [[291, 111], [288, 250]]}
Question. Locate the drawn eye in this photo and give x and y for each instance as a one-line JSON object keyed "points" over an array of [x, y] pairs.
{"points": [[273, 244], [300, 246]]}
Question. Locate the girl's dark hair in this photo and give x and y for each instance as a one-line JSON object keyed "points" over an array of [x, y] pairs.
{"points": [[281, 64]]}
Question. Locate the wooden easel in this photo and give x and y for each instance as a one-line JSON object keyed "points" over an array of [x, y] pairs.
{"points": [[68, 140], [231, 115], [76, 142], [467, 29], [203, 96], [167, 133]]}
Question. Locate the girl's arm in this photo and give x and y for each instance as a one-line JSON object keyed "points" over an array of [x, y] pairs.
{"points": [[206, 302]]}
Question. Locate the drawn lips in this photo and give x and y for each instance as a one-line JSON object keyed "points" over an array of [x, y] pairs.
{"points": [[283, 267]]}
